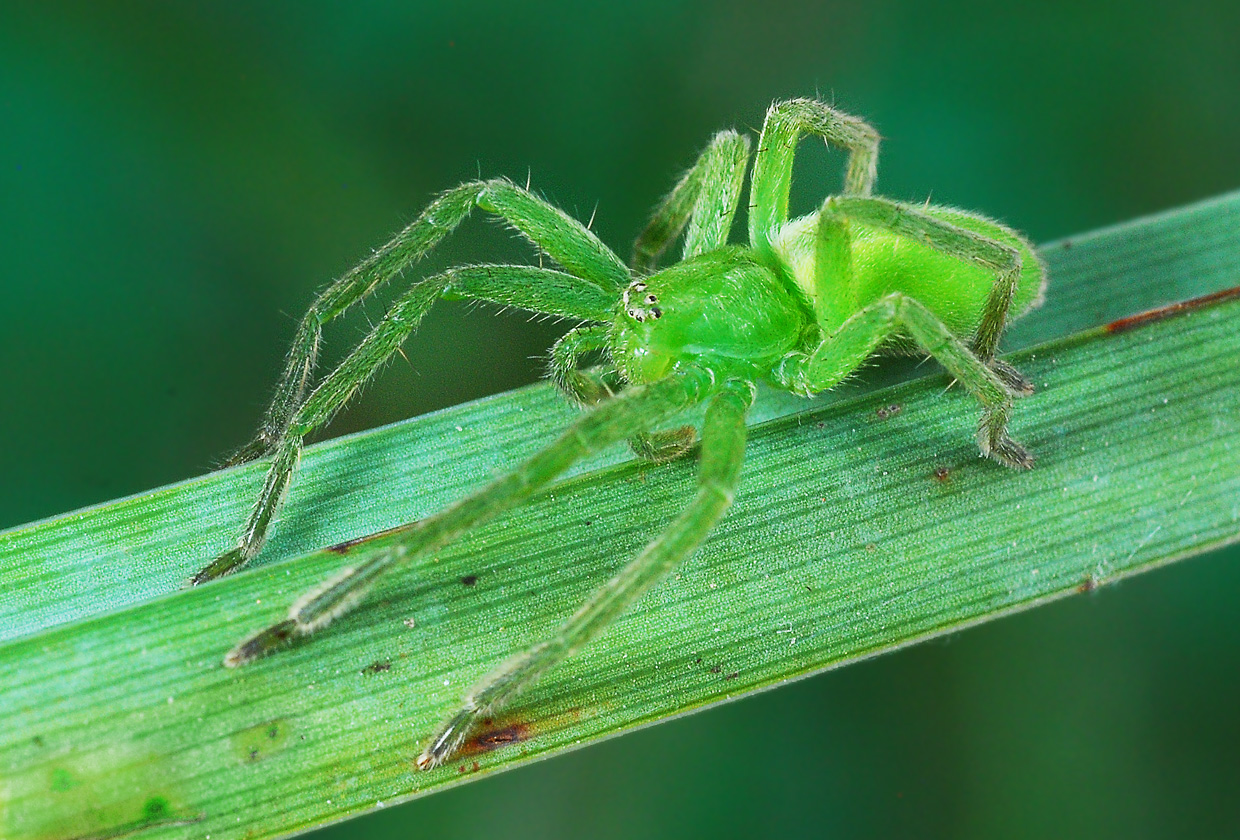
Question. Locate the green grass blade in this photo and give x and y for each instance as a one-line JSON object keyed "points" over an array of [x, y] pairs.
{"points": [[857, 529], [128, 551]]}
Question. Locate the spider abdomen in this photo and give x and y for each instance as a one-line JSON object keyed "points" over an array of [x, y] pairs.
{"points": [[722, 310], [954, 290], [880, 262]]}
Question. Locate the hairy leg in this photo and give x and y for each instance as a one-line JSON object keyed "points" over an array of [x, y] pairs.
{"points": [[525, 286], [843, 351], [589, 387], [565, 239], [582, 386], [786, 123], [541, 290], [705, 199], [612, 421], [723, 449]]}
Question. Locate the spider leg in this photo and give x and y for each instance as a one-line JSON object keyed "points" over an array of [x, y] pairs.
{"points": [[723, 449], [584, 387], [610, 422], [589, 387], [527, 286], [1003, 259], [565, 239], [541, 290], [786, 123], [843, 350], [705, 199]]}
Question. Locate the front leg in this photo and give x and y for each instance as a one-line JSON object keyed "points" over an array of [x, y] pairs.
{"points": [[843, 351], [723, 449], [705, 199], [528, 287], [613, 421], [591, 387]]}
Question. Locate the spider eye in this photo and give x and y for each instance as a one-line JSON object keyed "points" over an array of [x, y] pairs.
{"points": [[639, 286], [651, 299], [656, 312]]}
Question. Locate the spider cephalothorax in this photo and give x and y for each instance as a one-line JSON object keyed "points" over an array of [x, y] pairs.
{"points": [[800, 307], [723, 310], [639, 303]]}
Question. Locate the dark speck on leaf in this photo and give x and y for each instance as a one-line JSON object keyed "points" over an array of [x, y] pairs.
{"points": [[377, 668], [733, 675], [469, 580], [494, 739]]}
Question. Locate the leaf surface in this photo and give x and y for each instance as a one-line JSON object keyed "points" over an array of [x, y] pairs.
{"points": [[865, 521]]}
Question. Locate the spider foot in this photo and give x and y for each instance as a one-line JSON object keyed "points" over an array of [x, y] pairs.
{"points": [[226, 563], [1011, 377], [252, 451], [1011, 454], [661, 447], [448, 738], [262, 643], [993, 440]]}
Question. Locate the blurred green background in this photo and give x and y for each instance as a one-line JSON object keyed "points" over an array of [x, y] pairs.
{"points": [[177, 179]]}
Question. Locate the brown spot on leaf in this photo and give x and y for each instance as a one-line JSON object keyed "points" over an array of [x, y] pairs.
{"points": [[346, 546], [377, 667], [469, 580], [886, 412], [1143, 318], [942, 475], [490, 739]]}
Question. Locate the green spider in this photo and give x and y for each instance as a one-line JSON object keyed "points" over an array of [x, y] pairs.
{"points": [[800, 308]]}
